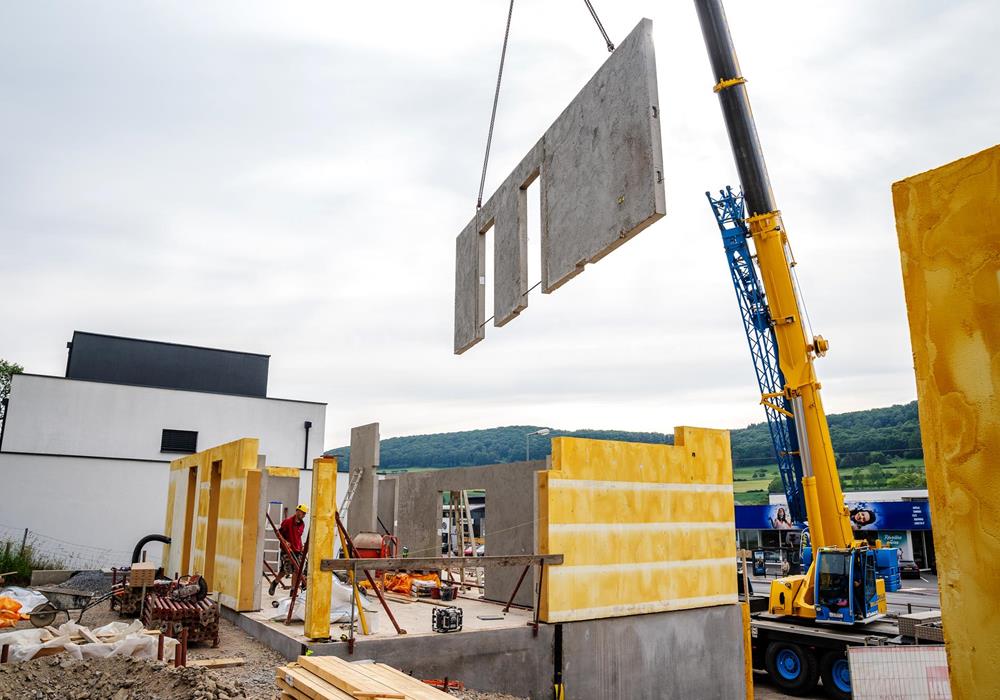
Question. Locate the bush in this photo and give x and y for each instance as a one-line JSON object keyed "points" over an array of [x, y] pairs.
{"points": [[12, 558]]}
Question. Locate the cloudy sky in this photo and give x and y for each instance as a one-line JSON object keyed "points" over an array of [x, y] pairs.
{"points": [[289, 178]]}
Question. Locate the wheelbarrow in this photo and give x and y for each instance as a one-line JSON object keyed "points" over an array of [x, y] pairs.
{"points": [[63, 600]]}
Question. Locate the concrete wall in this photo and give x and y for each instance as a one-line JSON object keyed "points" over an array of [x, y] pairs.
{"points": [[600, 166], [52, 415], [509, 516], [948, 221], [363, 508], [643, 528], [680, 654]]}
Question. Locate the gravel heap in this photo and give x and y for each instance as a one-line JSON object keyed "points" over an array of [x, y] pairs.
{"points": [[94, 581], [481, 695], [112, 678]]}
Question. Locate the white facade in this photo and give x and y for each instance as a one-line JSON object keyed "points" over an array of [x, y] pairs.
{"points": [[81, 463]]}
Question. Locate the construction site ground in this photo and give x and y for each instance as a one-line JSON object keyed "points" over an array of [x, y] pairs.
{"points": [[414, 616], [254, 680]]}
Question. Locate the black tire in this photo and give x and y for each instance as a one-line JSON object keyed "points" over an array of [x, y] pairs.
{"points": [[793, 668], [836, 675], [43, 615]]}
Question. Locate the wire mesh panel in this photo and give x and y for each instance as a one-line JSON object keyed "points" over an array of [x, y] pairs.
{"points": [[894, 673], [46, 552]]}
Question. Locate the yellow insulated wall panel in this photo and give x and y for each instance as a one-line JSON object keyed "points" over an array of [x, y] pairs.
{"points": [[643, 528], [322, 534], [948, 221], [212, 515]]}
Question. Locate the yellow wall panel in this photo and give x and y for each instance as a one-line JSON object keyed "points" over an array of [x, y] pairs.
{"points": [[223, 536], [642, 528], [948, 221], [322, 534]]}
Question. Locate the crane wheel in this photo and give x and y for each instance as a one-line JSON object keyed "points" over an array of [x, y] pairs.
{"points": [[793, 668], [836, 674]]}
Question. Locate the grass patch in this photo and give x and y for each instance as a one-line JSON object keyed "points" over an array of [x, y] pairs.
{"points": [[23, 562]]}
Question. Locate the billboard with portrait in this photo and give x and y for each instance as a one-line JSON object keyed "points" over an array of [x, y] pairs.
{"points": [[865, 515]]}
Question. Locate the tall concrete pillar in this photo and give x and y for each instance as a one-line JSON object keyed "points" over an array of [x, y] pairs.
{"points": [[363, 510]]}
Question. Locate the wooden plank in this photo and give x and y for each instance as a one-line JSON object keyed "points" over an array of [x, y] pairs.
{"points": [[218, 663], [344, 676], [439, 562], [289, 691], [308, 685], [414, 688]]}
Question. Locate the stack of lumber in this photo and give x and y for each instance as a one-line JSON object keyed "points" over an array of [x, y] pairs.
{"points": [[330, 678]]}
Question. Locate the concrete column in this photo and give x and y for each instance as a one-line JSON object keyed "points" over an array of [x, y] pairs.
{"points": [[361, 515]]}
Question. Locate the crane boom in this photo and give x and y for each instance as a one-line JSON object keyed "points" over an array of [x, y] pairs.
{"points": [[828, 518]]}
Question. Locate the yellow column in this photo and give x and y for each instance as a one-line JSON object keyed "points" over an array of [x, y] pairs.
{"points": [[322, 531], [747, 650], [948, 221]]}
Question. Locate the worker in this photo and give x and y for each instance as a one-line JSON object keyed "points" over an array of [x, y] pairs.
{"points": [[291, 530]]}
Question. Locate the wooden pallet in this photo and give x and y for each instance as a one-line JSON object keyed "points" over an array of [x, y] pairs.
{"points": [[332, 678]]}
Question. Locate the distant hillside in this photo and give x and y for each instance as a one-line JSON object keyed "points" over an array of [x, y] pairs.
{"points": [[862, 438]]}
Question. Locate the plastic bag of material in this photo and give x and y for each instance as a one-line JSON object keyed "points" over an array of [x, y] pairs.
{"points": [[10, 612], [28, 598], [114, 631]]}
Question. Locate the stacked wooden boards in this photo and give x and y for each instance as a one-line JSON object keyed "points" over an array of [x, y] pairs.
{"points": [[331, 678]]}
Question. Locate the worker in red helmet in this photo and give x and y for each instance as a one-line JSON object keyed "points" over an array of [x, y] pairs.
{"points": [[291, 530]]}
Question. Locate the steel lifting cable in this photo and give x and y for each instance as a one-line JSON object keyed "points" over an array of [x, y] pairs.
{"points": [[496, 93], [597, 20], [493, 116]]}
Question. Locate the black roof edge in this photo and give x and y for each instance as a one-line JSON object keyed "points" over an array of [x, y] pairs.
{"points": [[167, 342]]}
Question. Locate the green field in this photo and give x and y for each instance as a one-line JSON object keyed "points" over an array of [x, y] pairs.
{"points": [[751, 488]]}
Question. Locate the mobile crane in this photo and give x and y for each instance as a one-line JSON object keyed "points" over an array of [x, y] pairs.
{"points": [[846, 580]]}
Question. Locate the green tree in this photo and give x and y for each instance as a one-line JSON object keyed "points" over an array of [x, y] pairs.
{"points": [[7, 371], [776, 486]]}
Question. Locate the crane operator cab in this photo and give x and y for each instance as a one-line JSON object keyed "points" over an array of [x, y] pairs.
{"points": [[847, 588]]}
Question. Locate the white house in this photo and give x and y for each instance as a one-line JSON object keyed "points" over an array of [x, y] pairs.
{"points": [[84, 458]]}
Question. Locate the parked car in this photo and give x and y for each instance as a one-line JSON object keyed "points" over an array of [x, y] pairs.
{"points": [[908, 569]]}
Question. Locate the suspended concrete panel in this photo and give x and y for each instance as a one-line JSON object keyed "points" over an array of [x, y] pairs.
{"points": [[601, 171], [643, 528], [948, 221]]}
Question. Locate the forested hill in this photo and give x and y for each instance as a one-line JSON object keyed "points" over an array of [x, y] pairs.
{"points": [[859, 438]]}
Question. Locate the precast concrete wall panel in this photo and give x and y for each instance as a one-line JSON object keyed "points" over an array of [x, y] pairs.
{"points": [[470, 292], [948, 221], [603, 168], [642, 528], [601, 171]]}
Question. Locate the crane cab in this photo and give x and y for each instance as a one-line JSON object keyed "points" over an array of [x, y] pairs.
{"points": [[847, 589]]}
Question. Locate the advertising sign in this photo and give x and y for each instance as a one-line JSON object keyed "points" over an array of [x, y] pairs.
{"points": [[865, 515]]}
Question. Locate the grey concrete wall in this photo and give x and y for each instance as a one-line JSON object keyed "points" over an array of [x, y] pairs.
{"points": [[510, 513], [680, 654], [387, 505], [470, 292], [509, 660], [601, 171], [602, 178], [364, 461]]}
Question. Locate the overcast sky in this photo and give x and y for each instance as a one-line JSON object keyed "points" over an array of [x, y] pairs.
{"points": [[289, 178]]}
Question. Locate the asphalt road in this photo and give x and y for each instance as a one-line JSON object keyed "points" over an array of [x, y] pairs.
{"points": [[916, 595]]}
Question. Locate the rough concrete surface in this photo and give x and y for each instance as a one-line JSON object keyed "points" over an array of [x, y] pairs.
{"points": [[680, 654], [948, 221], [601, 170], [510, 514], [470, 292], [602, 179], [365, 446]]}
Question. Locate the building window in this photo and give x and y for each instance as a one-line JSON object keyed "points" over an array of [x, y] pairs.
{"points": [[179, 441]]}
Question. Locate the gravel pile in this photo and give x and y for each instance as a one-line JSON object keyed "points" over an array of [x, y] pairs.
{"points": [[480, 695], [92, 581], [113, 678]]}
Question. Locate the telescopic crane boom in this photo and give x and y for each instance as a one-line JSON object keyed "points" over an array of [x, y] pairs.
{"points": [[798, 397]]}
